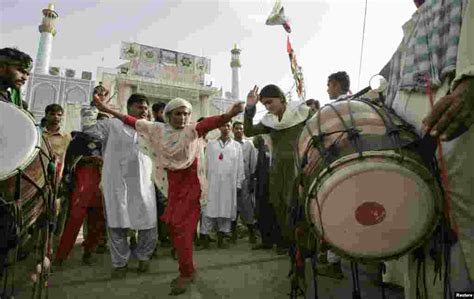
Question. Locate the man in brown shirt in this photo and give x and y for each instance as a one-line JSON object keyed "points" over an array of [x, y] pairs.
{"points": [[58, 141]]}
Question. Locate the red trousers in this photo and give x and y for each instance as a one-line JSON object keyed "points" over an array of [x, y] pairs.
{"points": [[182, 238], [86, 199], [182, 214]]}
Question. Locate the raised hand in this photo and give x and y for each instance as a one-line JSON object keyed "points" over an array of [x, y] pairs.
{"points": [[100, 102], [252, 96], [236, 108]]}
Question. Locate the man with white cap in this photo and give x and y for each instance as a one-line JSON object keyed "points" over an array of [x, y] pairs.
{"points": [[180, 173]]}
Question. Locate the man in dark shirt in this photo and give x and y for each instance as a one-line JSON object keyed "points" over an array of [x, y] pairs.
{"points": [[157, 110], [15, 67], [269, 228]]}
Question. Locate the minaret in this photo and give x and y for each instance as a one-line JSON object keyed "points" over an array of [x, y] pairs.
{"points": [[235, 65], [47, 31]]}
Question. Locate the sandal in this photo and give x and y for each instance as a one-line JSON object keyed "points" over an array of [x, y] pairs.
{"points": [[190, 279], [180, 284]]}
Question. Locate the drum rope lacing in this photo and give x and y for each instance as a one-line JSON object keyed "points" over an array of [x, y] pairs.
{"points": [[354, 138], [15, 208], [317, 141], [393, 130], [321, 148], [355, 280]]}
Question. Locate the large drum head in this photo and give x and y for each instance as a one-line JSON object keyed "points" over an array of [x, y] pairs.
{"points": [[373, 206], [373, 209], [18, 140]]}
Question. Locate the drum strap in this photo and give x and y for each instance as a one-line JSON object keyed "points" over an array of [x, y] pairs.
{"points": [[421, 290], [392, 140], [314, 264], [393, 131], [296, 289], [447, 262], [18, 187], [355, 281], [352, 132], [449, 229], [382, 283]]}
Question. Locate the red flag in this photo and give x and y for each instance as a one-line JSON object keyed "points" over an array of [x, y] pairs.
{"points": [[289, 49]]}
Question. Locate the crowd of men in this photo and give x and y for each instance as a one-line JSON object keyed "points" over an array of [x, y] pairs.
{"points": [[141, 180]]}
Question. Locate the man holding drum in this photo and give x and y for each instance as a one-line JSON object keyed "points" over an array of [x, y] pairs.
{"points": [[431, 85], [338, 88]]}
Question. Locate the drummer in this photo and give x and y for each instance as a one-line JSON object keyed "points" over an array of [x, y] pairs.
{"points": [[313, 104], [338, 89], [338, 85], [15, 67], [451, 81]]}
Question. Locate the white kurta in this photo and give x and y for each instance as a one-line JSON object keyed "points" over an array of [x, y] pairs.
{"points": [[127, 183], [225, 176], [250, 158], [246, 202]]}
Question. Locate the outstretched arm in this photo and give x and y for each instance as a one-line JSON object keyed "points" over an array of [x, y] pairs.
{"points": [[99, 101], [214, 122]]}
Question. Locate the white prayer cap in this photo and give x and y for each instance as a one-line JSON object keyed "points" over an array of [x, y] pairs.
{"points": [[173, 104]]}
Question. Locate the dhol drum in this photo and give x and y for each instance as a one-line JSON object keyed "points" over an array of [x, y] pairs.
{"points": [[368, 191], [24, 158]]}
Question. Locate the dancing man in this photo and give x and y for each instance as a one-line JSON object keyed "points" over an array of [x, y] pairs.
{"points": [[179, 172], [128, 189]]}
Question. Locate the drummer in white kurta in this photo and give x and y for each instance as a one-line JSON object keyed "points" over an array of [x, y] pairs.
{"points": [[225, 174], [128, 188]]}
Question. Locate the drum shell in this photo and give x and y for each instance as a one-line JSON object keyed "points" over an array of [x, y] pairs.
{"points": [[369, 121], [32, 195], [31, 200]]}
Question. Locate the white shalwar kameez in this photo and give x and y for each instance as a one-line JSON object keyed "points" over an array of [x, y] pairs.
{"points": [[129, 193], [225, 173]]}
